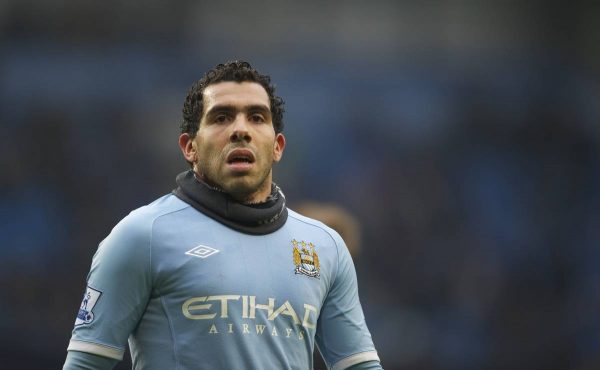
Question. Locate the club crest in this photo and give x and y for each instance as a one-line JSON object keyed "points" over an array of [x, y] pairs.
{"points": [[306, 259]]}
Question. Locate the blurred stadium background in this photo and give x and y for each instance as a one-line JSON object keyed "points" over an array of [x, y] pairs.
{"points": [[463, 135]]}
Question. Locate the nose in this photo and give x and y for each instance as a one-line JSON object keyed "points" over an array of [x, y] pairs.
{"points": [[240, 129]]}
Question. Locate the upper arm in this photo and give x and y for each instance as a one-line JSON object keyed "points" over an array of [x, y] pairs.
{"points": [[86, 361], [369, 365], [342, 334], [118, 288]]}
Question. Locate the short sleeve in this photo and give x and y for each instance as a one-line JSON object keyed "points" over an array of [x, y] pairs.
{"points": [[342, 334], [118, 288]]}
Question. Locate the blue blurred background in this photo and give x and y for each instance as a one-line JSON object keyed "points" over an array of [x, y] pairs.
{"points": [[463, 135]]}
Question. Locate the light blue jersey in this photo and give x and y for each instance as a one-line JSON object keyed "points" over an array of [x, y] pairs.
{"points": [[191, 293]]}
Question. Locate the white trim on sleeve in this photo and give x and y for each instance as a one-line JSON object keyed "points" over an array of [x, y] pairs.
{"points": [[96, 349], [355, 359]]}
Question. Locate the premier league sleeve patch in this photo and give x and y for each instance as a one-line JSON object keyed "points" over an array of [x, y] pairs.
{"points": [[85, 314]]}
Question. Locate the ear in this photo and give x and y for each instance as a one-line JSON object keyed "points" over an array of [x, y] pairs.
{"points": [[279, 147], [186, 143]]}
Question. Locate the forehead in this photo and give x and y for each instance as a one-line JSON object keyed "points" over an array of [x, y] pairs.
{"points": [[235, 93]]}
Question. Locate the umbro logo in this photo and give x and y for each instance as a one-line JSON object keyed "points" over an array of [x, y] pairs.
{"points": [[202, 251]]}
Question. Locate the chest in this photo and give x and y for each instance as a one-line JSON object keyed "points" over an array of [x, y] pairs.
{"points": [[217, 271]]}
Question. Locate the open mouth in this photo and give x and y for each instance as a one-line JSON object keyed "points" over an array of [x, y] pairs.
{"points": [[240, 160], [240, 156]]}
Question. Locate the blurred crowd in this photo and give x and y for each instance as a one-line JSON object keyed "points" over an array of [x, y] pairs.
{"points": [[464, 138]]}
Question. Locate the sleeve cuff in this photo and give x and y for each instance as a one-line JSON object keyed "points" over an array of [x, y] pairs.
{"points": [[97, 349], [355, 359]]}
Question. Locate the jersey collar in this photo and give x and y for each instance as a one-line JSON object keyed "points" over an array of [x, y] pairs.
{"points": [[256, 219]]}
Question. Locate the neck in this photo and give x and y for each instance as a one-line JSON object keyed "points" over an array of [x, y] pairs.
{"points": [[256, 219]]}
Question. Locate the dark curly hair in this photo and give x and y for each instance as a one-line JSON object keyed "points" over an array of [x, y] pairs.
{"points": [[239, 71]]}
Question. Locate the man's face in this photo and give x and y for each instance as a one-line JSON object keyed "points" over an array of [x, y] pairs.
{"points": [[236, 145]]}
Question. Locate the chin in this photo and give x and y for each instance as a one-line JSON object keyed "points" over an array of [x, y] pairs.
{"points": [[241, 187]]}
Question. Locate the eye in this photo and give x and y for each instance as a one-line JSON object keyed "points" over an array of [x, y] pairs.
{"points": [[220, 118], [257, 117]]}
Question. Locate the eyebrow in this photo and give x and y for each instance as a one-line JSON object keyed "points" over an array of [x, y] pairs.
{"points": [[229, 108]]}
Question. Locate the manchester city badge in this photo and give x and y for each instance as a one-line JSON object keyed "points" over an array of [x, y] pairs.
{"points": [[306, 259]]}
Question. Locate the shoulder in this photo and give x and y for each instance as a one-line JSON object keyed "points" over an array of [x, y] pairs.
{"points": [[137, 226], [144, 217], [315, 227], [163, 206], [131, 239]]}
